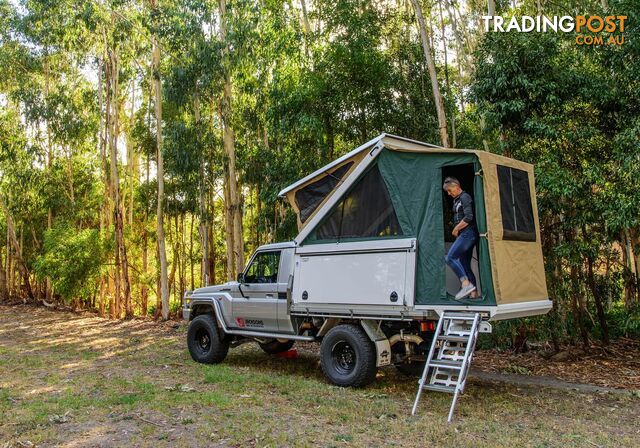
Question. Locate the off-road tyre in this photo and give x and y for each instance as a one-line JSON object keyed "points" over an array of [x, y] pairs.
{"points": [[204, 341], [348, 357], [275, 346]]}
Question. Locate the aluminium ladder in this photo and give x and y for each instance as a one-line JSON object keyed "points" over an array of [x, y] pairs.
{"points": [[447, 365]]}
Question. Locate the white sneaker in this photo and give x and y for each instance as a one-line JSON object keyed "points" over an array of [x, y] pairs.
{"points": [[465, 291]]}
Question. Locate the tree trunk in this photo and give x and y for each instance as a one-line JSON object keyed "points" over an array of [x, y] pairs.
{"points": [[3, 279], [446, 71], [598, 301], [634, 237], [258, 214], [307, 27], [305, 17], [578, 307], [330, 136], [228, 220], [597, 297], [183, 268], [437, 97], [202, 206], [132, 156], [8, 269], [48, 291], [162, 252], [491, 8], [17, 252], [491, 12], [102, 150], [460, 57], [144, 290], [234, 204], [105, 221], [630, 276], [121, 261], [107, 177], [193, 283], [211, 256]]}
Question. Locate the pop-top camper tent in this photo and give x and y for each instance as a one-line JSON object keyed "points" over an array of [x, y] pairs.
{"points": [[389, 191]]}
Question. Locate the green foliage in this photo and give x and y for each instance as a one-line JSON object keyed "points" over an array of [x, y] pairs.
{"points": [[573, 112], [625, 321], [73, 260], [298, 99]]}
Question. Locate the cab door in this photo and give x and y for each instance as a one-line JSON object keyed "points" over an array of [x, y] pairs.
{"points": [[257, 306]]}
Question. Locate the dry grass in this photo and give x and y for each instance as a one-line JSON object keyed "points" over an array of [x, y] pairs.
{"points": [[77, 380]]}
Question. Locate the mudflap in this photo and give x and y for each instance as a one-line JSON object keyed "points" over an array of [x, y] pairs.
{"points": [[383, 348]]}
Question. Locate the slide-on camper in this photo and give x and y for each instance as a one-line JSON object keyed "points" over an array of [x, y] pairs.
{"points": [[366, 275]]}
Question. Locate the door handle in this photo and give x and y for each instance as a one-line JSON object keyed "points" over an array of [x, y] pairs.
{"points": [[270, 296]]}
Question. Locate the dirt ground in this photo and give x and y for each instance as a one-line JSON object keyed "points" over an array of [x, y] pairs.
{"points": [[76, 380], [616, 366]]}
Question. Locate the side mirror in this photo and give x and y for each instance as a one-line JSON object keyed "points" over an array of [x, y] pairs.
{"points": [[240, 277]]}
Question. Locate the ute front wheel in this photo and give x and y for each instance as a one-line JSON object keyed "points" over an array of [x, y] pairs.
{"points": [[348, 357], [204, 341]]}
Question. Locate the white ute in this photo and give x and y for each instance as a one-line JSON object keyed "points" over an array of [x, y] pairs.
{"points": [[366, 276]]}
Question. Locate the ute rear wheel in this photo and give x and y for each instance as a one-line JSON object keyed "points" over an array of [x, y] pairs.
{"points": [[204, 341], [348, 357], [276, 346]]}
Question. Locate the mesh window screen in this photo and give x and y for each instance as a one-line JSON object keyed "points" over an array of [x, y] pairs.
{"points": [[365, 212], [515, 204], [311, 196]]}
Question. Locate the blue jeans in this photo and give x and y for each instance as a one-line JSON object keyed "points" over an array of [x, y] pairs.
{"points": [[460, 253]]}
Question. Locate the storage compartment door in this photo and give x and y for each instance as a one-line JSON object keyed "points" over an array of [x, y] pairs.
{"points": [[357, 273]]}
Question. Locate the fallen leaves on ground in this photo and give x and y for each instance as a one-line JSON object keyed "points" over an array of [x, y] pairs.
{"points": [[616, 365]]}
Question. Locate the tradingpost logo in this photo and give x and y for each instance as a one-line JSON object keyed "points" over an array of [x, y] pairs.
{"points": [[587, 28]]}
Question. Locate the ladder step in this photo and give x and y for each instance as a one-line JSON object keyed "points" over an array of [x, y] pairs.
{"points": [[446, 364], [439, 388], [452, 338], [466, 318], [460, 313]]}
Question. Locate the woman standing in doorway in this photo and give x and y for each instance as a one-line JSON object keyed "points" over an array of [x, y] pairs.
{"points": [[466, 233]]}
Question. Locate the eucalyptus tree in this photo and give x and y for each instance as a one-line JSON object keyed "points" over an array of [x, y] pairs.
{"points": [[431, 66]]}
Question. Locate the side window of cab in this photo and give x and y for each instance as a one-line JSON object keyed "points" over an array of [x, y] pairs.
{"points": [[263, 268]]}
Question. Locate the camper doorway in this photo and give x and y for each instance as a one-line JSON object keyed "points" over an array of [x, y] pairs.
{"points": [[465, 173]]}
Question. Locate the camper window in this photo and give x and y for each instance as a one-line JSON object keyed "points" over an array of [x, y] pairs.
{"points": [[365, 212], [310, 197], [515, 204]]}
